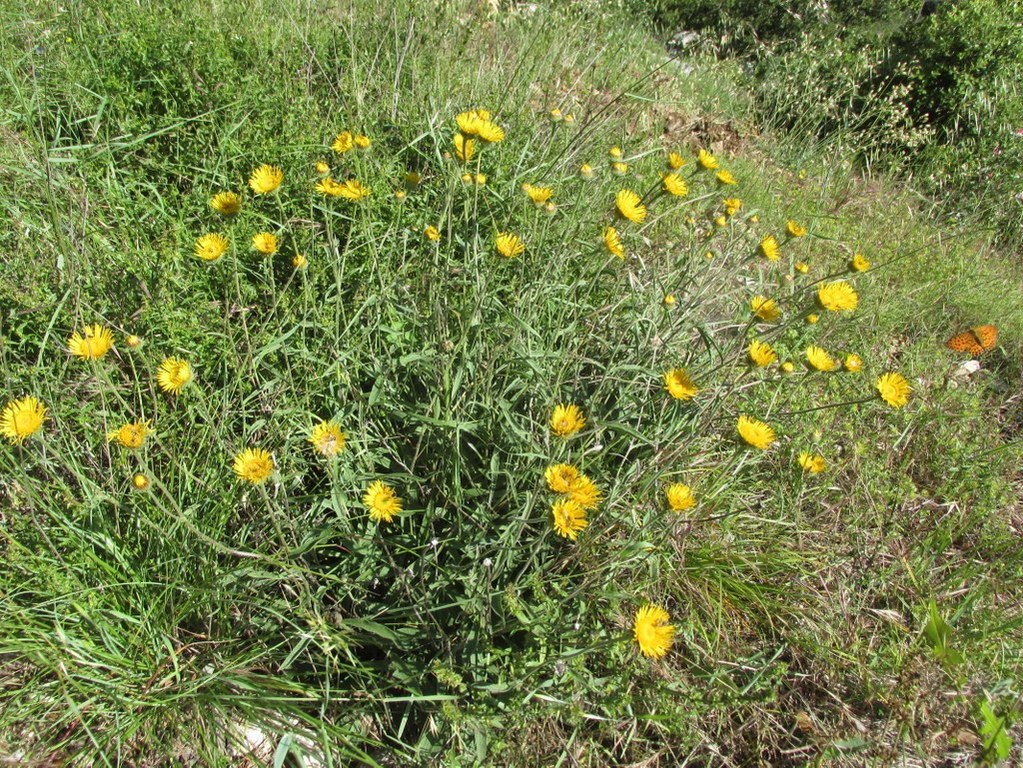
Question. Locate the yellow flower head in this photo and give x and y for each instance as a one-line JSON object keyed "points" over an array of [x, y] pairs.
{"points": [[560, 477], [490, 132], [509, 245], [707, 161], [432, 233], [732, 205], [894, 389], [226, 203], [761, 354], [680, 497], [353, 189], [362, 142], [381, 500], [675, 161], [211, 247], [852, 363], [480, 179], [837, 297], [133, 341], [769, 248], [652, 631], [538, 195], [569, 118], [720, 221], [755, 433], [328, 187], [173, 374], [567, 420], [794, 229], [615, 153], [859, 263], [22, 418], [265, 179], [620, 168], [788, 367], [669, 300], [132, 435], [253, 465], [812, 463], [819, 359], [465, 147], [140, 482], [569, 518], [343, 142], [556, 116], [585, 493], [298, 261], [613, 242], [674, 184], [586, 171], [629, 205], [265, 242], [726, 178], [812, 319], [400, 195], [680, 385], [327, 438], [322, 167], [764, 308], [413, 179], [802, 267], [92, 343]]}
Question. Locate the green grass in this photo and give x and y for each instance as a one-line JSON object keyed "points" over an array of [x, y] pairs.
{"points": [[150, 626]]}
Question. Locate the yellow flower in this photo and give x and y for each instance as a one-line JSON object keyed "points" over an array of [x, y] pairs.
{"points": [[131, 435], [569, 518], [298, 261], [265, 179], [22, 418], [613, 242], [788, 366], [413, 179], [560, 477], [669, 300], [615, 153], [211, 247], [726, 178], [852, 363], [838, 296], [802, 267], [353, 189], [92, 343], [819, 359], [675, 161], [226, 203], [812, 319], [894, 389], [509, 245], [585, 493], [620, 168], [480, 179], [468, 122], [567, 420], [755, 433], [769, 248], [556, 116], [732, 205], [140, 482], [707, 160], [322, 167], [761, 354], [253, 465], [343, 142], [382, 501], [859, 263], [466, 178], [329, 188], [720, 221], [400, 195], [569, 118], [432, 233], [680, 497], [538, 195], [133, 341], [652, 631], [764, 308], [812, 463], [327, 438], [794, 229], [629, 205], [362, 142], [673, 184], [173, 374], [465, 147], [586, 171], [680, 385], [265, 242], [490, 132]]}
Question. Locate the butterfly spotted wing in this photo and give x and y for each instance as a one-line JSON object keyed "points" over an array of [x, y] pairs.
{"points": [[974, 341]]}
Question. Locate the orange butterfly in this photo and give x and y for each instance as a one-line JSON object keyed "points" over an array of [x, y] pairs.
{"points": [[974, 341]]}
